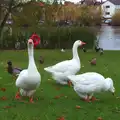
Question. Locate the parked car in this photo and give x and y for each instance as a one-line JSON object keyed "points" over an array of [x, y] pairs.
{"points": [[108, 21]]}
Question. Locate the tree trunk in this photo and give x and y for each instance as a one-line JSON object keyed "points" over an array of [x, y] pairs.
{"points": [[1, 28], [4, 21]]}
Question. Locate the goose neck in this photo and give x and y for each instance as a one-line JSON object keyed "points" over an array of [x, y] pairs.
{"points": [[75, 52], [31, 65]]}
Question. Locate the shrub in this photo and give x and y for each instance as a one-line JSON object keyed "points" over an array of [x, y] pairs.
{"points": [[56, 37], [116, 19]]}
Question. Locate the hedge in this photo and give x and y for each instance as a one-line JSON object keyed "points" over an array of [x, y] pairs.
{"points": [[56, 37]]}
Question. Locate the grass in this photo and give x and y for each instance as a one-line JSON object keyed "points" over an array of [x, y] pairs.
{"points": [[48, 108]]}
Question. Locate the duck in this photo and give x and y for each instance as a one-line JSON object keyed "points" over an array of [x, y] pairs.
{"points": [[61, 70], [13, 70], [41, 60], [84, 50], [62, 50], [29, 79], [97, 49], [86, 84], [93, 61]]}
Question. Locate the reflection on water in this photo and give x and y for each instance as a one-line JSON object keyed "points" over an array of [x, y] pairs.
{"points": [[109, 38]]}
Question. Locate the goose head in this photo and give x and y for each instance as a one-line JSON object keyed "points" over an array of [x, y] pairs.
{"points": [[30, 43], [9, 63], [76, 44], [79, 43], [111, 86]]}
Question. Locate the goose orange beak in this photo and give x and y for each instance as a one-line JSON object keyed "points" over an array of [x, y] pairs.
{"points": [[83, 43], [30, 41]]}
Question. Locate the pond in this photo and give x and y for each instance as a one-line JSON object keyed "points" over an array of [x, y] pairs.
{"points": [[109, 37]]}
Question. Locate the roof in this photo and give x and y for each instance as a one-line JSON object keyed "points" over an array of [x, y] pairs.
{"points": [[115, 2]]}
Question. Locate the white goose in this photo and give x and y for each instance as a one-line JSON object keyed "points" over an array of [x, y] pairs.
{"points": [[61, 70], [28, 79], [87, 84]]}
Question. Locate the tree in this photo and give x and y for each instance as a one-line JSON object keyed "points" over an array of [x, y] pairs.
{"points": [[116, 18], [7, 8], [90, 15], [29, 15]]}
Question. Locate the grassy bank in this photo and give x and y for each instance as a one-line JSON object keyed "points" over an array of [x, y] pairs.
{"points": [[48, 108]]}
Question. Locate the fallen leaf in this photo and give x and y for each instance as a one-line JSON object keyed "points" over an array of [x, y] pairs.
{"points": [[57, 88], [3, 89], [61, 118], [7, 107], [78, 107], [99, 118], [37, 99], [56, 97], [3, 98], [62, 95]]}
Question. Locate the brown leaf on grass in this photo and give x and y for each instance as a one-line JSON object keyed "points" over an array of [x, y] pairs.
{"points": [[99, 118], [7, 107], [57, 88], [78, 107], [3, 89], [57, 97], [61, 118], [3, 98], [61, 95]]}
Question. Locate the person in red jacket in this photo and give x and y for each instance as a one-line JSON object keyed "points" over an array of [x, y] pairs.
{"points": [[36, 39]]}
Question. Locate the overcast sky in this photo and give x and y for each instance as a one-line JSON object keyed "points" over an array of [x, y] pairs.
{"points": [[79, 0]]}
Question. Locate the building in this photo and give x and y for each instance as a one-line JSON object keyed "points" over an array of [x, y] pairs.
{"points": [[90, 2], [109, 8]]}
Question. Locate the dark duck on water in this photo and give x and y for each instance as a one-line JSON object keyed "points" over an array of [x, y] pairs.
{"points": [[13, 71], [98, 49]]}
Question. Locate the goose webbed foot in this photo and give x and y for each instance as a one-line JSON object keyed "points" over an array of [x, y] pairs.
{"points": [[17, 96], [94, 99], [87, 99]]}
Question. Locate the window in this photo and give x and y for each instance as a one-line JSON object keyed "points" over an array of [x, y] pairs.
{"points": [[107, 6], [107, 13]]}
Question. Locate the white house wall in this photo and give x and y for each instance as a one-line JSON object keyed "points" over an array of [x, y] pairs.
{"points": [[111, 10]]}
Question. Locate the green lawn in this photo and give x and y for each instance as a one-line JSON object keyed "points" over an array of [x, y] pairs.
{"points": [[48, 108]]}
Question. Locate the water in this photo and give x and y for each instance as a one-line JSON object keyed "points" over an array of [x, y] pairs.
{"points": [[109, 38]]}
